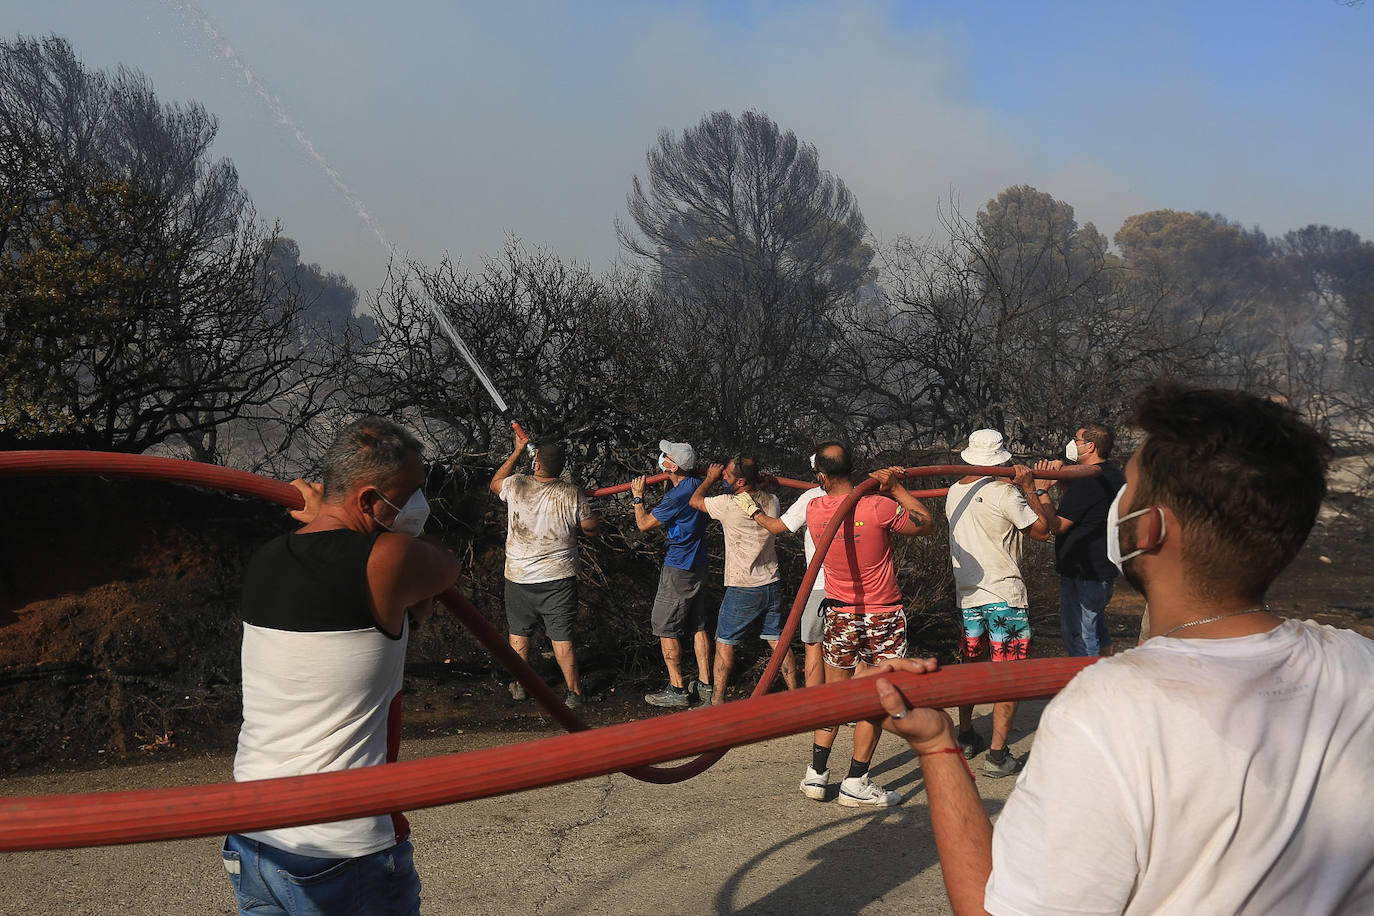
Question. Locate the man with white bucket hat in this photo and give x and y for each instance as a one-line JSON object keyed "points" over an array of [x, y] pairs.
{"points": [[987, 516]]}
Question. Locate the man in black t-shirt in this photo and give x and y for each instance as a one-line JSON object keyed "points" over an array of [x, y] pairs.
{"points": [[1086, 576]]}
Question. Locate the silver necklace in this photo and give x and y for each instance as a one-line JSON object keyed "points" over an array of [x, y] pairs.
{"points": [[1198, 623]]}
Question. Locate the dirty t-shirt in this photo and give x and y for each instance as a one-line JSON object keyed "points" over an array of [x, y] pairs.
{"points": [[750, 557], [858, 566], [542, 521], [985, 522]]}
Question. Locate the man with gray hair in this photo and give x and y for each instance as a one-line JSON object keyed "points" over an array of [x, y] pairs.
{"points": [[544, 515], [325, 626]]}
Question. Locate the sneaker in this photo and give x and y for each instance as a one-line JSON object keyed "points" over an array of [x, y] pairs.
{"points": [[1012, 764], [670, 696], [972, 744], [704, 692], [814, 785], [573, 700], [862, 792], [517, 691]]}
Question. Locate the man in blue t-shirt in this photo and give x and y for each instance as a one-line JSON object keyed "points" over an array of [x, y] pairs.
{"points": [[680, 605], [1086, 577]]}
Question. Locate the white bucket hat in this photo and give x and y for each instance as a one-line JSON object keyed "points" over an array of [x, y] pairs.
{"points": [[985, 448]]}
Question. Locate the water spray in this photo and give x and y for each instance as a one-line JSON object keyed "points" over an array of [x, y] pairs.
{"points": [[191, 12]]}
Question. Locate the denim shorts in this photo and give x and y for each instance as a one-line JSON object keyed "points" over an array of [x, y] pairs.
{"points": [[272, 882], [742, 606]]}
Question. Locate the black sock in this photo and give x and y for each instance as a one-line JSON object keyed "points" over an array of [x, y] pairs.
{"points": [[857, 769], [820, 758], [997, 754], [682, 689], [967, 734]]}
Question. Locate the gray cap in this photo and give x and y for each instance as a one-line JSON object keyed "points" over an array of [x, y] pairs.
{"points": [[682, 454]]}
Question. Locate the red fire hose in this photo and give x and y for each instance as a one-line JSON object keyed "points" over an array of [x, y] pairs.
{"points": [[108, 818], [798, 712]]}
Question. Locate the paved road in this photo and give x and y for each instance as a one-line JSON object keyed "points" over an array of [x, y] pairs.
{"points": [[738, 839]]}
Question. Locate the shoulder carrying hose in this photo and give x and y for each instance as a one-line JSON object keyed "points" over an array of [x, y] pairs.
{"points": [[64, 821]]}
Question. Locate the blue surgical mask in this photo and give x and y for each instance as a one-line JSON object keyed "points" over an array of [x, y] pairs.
{"points": [[727, 486]]}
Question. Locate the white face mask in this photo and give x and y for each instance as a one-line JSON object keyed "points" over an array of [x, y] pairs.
{"points": [[1114, 520], [662, 462], [1071, 450], [410, 519]]}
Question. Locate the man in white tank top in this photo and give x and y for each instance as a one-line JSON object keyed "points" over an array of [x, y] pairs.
{"points": [[325, 629], [1220, 766]]}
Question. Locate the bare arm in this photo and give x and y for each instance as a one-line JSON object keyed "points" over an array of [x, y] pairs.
{"points": [[1055, 523], [918, 519], [403, 571], [643, 517], [1040, 529], [713, 473], [591, 527], [775, 525], [508, 466], [963, 832]]}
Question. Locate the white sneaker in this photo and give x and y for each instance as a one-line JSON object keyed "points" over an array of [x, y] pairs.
{"points": [[813, 784], [862, 792]]}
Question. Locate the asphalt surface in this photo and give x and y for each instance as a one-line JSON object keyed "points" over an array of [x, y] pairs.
{"points": [[738, 839]]}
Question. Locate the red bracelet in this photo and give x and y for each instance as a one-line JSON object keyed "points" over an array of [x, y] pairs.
{"points": [[951, 750]]}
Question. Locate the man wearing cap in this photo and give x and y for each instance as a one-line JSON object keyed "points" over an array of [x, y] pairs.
{"points": [[1086, 577], [987, 516], [680, 604], [753, 589], [812, 628], [544, 515]]}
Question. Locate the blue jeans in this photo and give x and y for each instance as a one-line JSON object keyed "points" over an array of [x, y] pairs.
{"points": [[272, 882], [742, 606], [1083, 614]]}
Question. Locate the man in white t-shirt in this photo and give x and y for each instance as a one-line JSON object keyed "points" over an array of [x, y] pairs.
{"points": [[987, 516], [812, 626], [753, 590], [544, 515], [1219, 767]]}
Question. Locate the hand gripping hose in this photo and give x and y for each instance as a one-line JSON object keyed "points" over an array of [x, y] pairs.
{"points": [[378, 789]]}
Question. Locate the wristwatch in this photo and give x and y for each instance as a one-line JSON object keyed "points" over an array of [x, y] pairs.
{"points": [[638, 501], [1041, 492]]}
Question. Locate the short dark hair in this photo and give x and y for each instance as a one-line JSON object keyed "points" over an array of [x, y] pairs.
{"points": [[747, 466], [371, 450], [833, 459], [1100, 435], [553, 457], [1245, 476]]}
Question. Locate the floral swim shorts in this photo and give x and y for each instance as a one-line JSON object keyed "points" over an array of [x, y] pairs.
{"points": [[1006, 629]]}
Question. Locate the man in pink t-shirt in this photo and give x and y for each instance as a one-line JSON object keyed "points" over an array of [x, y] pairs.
{"points": [[864, 620]]}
